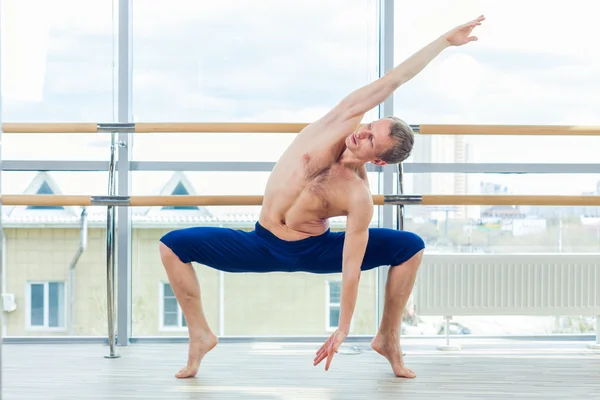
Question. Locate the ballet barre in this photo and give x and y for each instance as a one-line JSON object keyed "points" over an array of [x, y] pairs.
{"points": [[283, 127], [256, 200]]}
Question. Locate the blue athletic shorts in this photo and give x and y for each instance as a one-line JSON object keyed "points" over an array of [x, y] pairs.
{"points": [[233, 250]]}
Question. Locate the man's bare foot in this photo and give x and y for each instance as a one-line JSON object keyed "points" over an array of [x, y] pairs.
{"points": [[198, 348], [390, 349]]}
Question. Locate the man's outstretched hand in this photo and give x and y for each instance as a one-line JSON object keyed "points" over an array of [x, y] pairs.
{"points": [[462, 33], [329, 348]]}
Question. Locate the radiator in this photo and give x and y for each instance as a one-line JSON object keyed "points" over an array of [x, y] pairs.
{"points": [[530, 284]]}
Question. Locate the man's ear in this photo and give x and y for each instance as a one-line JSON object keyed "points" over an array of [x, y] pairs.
{"points": [[379, 162]]}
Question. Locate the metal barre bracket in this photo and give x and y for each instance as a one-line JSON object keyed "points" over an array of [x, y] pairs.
{"points": [[120, 127], [111, 200], [402, 199]]}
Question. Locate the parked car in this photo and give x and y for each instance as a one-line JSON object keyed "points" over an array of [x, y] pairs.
{"points": [[455, 329]]}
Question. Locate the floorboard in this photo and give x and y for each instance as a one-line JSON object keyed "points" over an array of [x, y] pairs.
{"points": [[482, 369]]}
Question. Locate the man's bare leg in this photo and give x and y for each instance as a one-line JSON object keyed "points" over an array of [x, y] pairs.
{"points": [[401, 279], [186, 288]]}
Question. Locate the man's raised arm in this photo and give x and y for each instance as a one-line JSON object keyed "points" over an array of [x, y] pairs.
{"points": [[367, 97]]}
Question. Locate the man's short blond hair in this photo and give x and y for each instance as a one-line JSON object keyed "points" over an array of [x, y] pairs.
{"points": [[404, 140]]}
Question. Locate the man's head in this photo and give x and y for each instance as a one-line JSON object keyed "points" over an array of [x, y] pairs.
{"points": [[385, 141]]}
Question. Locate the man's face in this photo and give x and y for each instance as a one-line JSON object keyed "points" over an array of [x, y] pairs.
{"points": [[369, 140]]}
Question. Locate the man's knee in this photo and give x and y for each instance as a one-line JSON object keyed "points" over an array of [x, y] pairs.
{"points": [[168, 245], [414, 247], [414, 244], [166, 242], [165, 251], [417, 258]]}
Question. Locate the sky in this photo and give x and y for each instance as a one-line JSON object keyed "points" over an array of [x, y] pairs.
{"points": [[292, 61]]}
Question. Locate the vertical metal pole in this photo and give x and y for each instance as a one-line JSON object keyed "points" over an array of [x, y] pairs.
{"points": [[596, 345], [386, 63], [447, 331], [110, 250], [124, 114], [82, 246], [2, 241], [400, 207]]}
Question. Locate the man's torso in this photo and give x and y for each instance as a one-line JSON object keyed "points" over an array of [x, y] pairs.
{"points": [[308, 185]]}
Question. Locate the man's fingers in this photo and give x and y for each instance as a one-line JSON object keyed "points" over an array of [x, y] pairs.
{"points": [[320, 352], [327, 350], [330, 354], [323, 347], [319, 359], [475, 22], [321, 355]]}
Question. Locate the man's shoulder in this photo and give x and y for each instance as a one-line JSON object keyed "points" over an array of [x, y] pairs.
{"points": [[359, 194], [359, 205]]}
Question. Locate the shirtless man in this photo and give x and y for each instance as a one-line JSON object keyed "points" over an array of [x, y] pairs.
{"points": [[322, 174]]}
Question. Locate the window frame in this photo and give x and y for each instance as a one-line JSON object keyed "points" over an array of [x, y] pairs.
{"points": [[161, 314], [45, 327]]}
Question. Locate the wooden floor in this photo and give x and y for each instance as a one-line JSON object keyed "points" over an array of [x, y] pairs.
{"points": [[482, 369]]}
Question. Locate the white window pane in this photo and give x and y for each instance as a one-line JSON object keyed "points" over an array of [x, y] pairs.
{"points": [[334, 317], [168, 290], [57, 65], [170, 305], [335, 288], [548, 76], [266, 66], [37, 304], [170, 319], [56, 310]]}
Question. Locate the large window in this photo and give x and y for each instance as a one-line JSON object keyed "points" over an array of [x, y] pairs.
{"points": [[270, 62], [545, 76], [234, 304], [55, 257], [57, 66], [46, 305], [276, 62]]}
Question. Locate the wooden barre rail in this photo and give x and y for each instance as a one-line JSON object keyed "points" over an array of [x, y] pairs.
{"points": [[276, 127], [513, 130], [256, 200]]}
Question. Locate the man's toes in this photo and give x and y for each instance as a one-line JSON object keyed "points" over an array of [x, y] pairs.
{"points": [[409, 374], [186, 373], [405, 373]]}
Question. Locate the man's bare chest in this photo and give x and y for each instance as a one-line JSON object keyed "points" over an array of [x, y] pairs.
{"points": [[330, 189]]}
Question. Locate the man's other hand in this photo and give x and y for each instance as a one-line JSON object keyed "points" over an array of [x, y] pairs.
{"points": [[329, 348]]}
